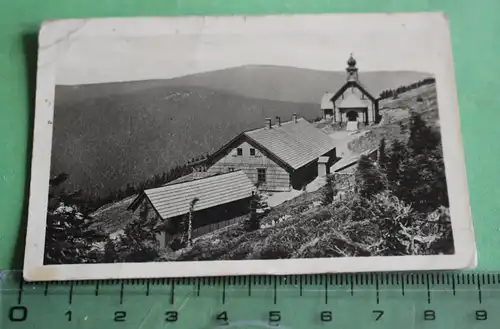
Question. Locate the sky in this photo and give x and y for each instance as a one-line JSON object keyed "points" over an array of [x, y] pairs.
{"points": [[155, 50]]}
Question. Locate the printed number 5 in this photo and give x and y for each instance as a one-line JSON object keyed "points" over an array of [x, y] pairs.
{"points": [[274, 317]]}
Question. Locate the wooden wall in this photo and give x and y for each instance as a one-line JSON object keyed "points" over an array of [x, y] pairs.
{"points": [[145, 212], [277, 178]]}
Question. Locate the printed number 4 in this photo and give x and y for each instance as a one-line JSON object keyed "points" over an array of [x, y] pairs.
{"points": [[222, 317]]}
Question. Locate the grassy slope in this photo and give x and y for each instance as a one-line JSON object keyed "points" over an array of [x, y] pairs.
{"points": [[397, 111], [113, 217]]}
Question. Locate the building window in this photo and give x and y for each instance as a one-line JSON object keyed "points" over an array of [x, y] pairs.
{"points": [[239, 151], [261, 175], [252, 152], [230, 169]]}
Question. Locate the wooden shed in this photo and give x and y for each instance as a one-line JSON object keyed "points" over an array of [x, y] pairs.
{"points": [[216, 201]]}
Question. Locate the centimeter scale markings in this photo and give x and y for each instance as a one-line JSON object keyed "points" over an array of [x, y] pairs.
{"points": [[366, 300]]}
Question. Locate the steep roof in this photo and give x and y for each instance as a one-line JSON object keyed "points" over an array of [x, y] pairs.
{"points": [[295, 143], [174, 200], [326, 101], [352, 101], [353, 83]]}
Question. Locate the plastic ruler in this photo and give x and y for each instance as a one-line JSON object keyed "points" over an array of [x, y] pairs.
{"points": [[368, 300]]}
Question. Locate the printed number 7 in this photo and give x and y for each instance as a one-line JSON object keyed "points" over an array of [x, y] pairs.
{"points": [[379, 314]]}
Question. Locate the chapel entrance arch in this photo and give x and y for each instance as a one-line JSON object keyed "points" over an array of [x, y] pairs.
{"points": [[352, 116]]}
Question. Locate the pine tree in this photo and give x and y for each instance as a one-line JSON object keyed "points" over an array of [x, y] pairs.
{"points": [[139, 243], [256, 203], [422, 138], [69, 237], [396, 168], [369, 179]]}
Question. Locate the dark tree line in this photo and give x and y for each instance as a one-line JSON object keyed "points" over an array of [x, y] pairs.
{"points": [[154, 181], [409, 178], [412, 171], [393, 93]]}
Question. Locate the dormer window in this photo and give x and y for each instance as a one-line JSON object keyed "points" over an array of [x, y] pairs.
{"points": [[252, 152], [239, 151]]}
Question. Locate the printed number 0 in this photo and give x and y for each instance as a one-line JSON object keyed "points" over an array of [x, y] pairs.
{"points": [[18, 313]]}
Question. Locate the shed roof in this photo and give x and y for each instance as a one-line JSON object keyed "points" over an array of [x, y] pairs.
{"points": [[190, 177], [352, 101], [174, 200], [296, 143]]}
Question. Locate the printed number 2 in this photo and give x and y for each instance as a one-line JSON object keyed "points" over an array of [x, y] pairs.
{"points": [[379, 314], [120, 316], [171, 316]]}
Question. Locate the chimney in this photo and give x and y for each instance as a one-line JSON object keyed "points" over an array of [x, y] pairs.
{"points": [[278, 119], [294, 117], [268, 123]]}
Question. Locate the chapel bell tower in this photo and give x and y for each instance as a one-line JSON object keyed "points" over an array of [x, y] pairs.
{"points": [[352, 70]]}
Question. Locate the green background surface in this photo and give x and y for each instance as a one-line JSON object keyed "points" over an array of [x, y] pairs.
{"points": [[475, 27]]}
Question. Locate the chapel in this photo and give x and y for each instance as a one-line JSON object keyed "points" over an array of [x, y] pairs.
{"points": [[352, 104]]}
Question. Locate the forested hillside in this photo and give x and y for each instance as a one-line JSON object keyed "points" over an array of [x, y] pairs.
{"points": [[108, 142]]}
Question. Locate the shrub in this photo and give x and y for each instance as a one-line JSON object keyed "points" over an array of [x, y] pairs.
{"points": [[329, 191]]}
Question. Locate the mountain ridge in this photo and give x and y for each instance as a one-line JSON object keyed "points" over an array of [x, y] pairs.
{"points": [[256, 81]]}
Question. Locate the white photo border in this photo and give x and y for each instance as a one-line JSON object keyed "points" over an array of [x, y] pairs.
{"points": [[56, 35]]}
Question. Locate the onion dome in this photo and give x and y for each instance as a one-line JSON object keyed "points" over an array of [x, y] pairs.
{"points": [[351, 61]]}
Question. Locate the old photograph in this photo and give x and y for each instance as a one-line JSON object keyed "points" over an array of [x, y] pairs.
{"points": [[199, 146]]}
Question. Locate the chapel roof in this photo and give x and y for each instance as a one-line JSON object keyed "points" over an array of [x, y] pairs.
{"points": [[352, 101], [326, 101]]}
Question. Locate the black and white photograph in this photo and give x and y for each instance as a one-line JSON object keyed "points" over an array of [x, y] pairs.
{"points": [[200, 146]]}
